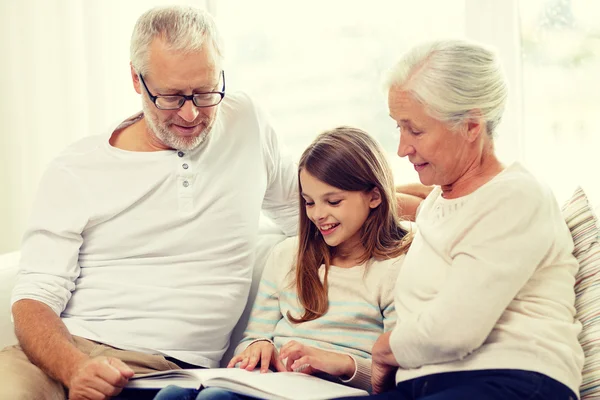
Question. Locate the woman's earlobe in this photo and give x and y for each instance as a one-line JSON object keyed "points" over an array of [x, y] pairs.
{"points": [[474, 125]]}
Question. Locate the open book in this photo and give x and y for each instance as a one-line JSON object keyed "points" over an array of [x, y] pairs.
{"points": [[276, 386]]}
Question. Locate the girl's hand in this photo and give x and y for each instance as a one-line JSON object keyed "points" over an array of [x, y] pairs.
{"points": [[308, 360], [263, 351]]}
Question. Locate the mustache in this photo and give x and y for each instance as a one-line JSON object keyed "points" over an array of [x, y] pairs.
{"points": [[186, 124]]}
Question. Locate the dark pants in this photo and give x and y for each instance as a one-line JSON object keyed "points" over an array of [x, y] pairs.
{"points": [[497, 384]]}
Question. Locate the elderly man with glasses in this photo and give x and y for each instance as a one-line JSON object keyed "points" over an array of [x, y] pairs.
{"points": [[139, 252]]}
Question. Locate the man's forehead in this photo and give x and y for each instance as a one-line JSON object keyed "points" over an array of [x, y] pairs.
{"points": [[170, 69], [163, 55]]}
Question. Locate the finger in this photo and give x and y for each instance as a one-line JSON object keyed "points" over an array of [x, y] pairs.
{"points": [[123, 368], [302, 363], [278, 364], [234, 361], [292, 356], [109, 374], [265, 359], [288, 348], [244, 362], [252, 361], [289, 345], [99, 384], [285, 346]]}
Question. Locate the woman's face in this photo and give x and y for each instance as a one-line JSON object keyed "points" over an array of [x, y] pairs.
{"points": [[439, 155]]}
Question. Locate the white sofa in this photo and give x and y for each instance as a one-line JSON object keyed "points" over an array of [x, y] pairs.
{"points": [[8, 270], [9, 264], [587, 288]]}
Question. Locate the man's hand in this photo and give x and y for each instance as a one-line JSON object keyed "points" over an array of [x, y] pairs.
{"points": [[99, 378], [263, 351], [310, 360]]}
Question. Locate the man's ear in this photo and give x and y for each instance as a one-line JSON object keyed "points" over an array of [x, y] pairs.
{"points": [[375, 200], [136, 79]]}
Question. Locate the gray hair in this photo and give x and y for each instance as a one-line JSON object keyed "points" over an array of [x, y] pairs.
{"points": [[182, 28], [452, 78]]}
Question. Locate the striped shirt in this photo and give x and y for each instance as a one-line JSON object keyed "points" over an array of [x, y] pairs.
{"points": [[361, 307]]}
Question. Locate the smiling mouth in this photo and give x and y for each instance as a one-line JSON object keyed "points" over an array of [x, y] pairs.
{"points": [[328, 228]]}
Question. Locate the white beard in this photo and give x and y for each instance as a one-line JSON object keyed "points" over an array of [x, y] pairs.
{"points": [[169, 138]]}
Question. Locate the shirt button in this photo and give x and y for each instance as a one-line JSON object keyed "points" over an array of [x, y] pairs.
{"points": [[180, 153], [186, 184], [185, 166]]}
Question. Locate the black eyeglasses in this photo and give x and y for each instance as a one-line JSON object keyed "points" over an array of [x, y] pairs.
{"points": [[176, 101]]}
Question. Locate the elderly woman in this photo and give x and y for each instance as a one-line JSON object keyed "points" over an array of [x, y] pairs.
{"points": [[485, 297]]}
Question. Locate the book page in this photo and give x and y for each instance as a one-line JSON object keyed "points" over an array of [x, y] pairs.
{"points": [[187, 378], [283, 385], [276, 386]]}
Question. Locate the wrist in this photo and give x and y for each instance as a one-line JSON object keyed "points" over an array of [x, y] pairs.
{"points": [[349, 367], [381, 349], [71, 364], [260, 340]]}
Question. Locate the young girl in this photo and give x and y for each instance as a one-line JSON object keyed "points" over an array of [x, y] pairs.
{"points": [[327, 295]]}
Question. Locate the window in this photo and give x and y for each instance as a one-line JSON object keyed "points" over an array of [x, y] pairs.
{"points": [[561, 92], [318, 64]]}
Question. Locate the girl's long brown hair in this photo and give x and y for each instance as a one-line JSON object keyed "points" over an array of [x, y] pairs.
{"points": [[348, 159]]}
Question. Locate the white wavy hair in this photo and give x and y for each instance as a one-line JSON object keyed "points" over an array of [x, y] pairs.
{"points": [[182, 28], [452, 78]]}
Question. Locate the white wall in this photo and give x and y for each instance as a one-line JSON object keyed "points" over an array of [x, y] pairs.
{"points": [[43, 88], [497, 23], [64, 75]]}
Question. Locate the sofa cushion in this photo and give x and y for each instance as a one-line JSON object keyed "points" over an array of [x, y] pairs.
{"points": [[585, 229], [266, 242]]}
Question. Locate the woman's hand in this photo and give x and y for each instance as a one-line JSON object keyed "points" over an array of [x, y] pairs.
{"points": [[308, 360], [382, 377], [384, 365], [263, 351]]}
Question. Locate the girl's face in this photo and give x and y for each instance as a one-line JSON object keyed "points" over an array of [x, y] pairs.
{"points": [[338, 214]]}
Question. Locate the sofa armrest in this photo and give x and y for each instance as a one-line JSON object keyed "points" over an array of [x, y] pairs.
{"points": [[9, 264]]}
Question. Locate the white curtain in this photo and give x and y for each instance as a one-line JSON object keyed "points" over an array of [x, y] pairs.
{"points": [[64, 75], [496, 23]]}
